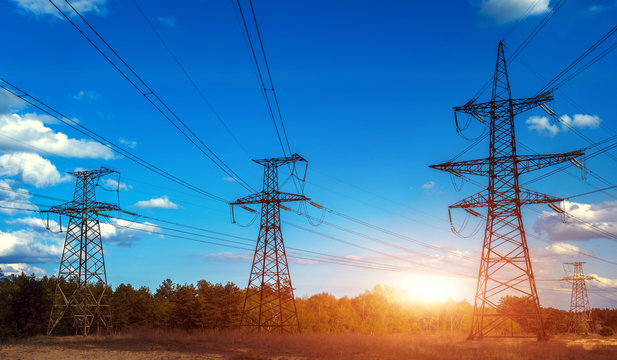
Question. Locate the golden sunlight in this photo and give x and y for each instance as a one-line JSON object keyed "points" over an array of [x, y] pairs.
{"points": [[430, 288]]}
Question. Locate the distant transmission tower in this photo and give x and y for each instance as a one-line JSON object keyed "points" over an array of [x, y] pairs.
{"points": [[580, 311], [505, 266], [269, 303], [82, 289]]}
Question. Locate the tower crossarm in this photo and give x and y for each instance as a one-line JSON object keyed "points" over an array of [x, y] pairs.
{"points": [[256, 198], [518, 105], [576, 277], [482, 199], [74, 207], [264, 197], [525, 163], [280, 161]]}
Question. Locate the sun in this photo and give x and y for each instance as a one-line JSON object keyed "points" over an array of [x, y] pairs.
{"points": [[429, 289]]}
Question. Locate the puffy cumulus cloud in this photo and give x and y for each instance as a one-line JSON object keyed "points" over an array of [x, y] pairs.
{"points": [[36, 224], [24, 132], [561, 249], [10, 103], [602, 216], [17, 269], [157, 203], [118, 232], [603, 282], [503, 11], [112, 184], [543, 125], [581, 121], [32, 169], [11, 197], [125, 233], [25, 246], [44, 7]]}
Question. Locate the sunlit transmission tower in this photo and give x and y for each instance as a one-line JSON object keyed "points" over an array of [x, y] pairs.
{"points": [[579, 319], [82, 289], [505, 266], [269, 303]]}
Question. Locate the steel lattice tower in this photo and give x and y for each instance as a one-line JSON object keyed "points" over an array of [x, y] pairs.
{"points": [[82, 281], [580, 312], [505, 266], [269, 302]]}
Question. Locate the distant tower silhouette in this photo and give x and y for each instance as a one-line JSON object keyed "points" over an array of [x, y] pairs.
{"points": [[505, 267], [580, 312], [82, 289], [269, 303]]}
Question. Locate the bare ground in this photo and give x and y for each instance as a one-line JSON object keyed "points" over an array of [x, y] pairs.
{"points": [[234, 345]]}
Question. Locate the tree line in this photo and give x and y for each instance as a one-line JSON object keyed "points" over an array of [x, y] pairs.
{"points": [[25, 305]]}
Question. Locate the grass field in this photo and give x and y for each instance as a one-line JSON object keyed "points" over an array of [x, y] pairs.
{"points": [[233, 345]]}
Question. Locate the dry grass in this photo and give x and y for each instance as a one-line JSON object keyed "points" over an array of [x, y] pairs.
{"points": [[234, 345]]}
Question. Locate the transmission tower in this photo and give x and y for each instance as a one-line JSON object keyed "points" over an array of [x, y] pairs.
{"points": [[505, 266], [580, 311], [81, 289], [269, 303]]}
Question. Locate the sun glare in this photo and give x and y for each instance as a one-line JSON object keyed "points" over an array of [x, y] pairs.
{"points": [[430, 289]]}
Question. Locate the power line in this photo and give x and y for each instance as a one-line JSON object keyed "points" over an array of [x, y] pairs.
{"points": [[555, 83], [201, 94], [140, 85], [270, 85], [15, 91], [532, 35]]}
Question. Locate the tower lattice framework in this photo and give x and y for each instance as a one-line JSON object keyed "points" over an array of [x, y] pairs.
{"points": [[505, 266], [269, 303], [81, 289], [579, 319]]}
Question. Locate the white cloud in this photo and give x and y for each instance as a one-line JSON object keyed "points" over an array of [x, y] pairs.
{"points": [[11, 197], [429, 185], [503, 11], [561, 249], [112, 184], [230, 179], [157, 203], [44, 7], [17, 269], [24, 246], [581, 121], [117, 232], [34, 223], [10, 103], [32, 168], [28, 131], [167, 20], [129, 143], [124, 233], [603, 282], [543, 125], [603, 216]]}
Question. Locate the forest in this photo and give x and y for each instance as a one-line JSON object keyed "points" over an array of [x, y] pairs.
{"points": [[25, 305]]}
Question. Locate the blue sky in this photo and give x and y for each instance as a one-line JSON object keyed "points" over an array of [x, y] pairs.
{"points": [[366, 90]]}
